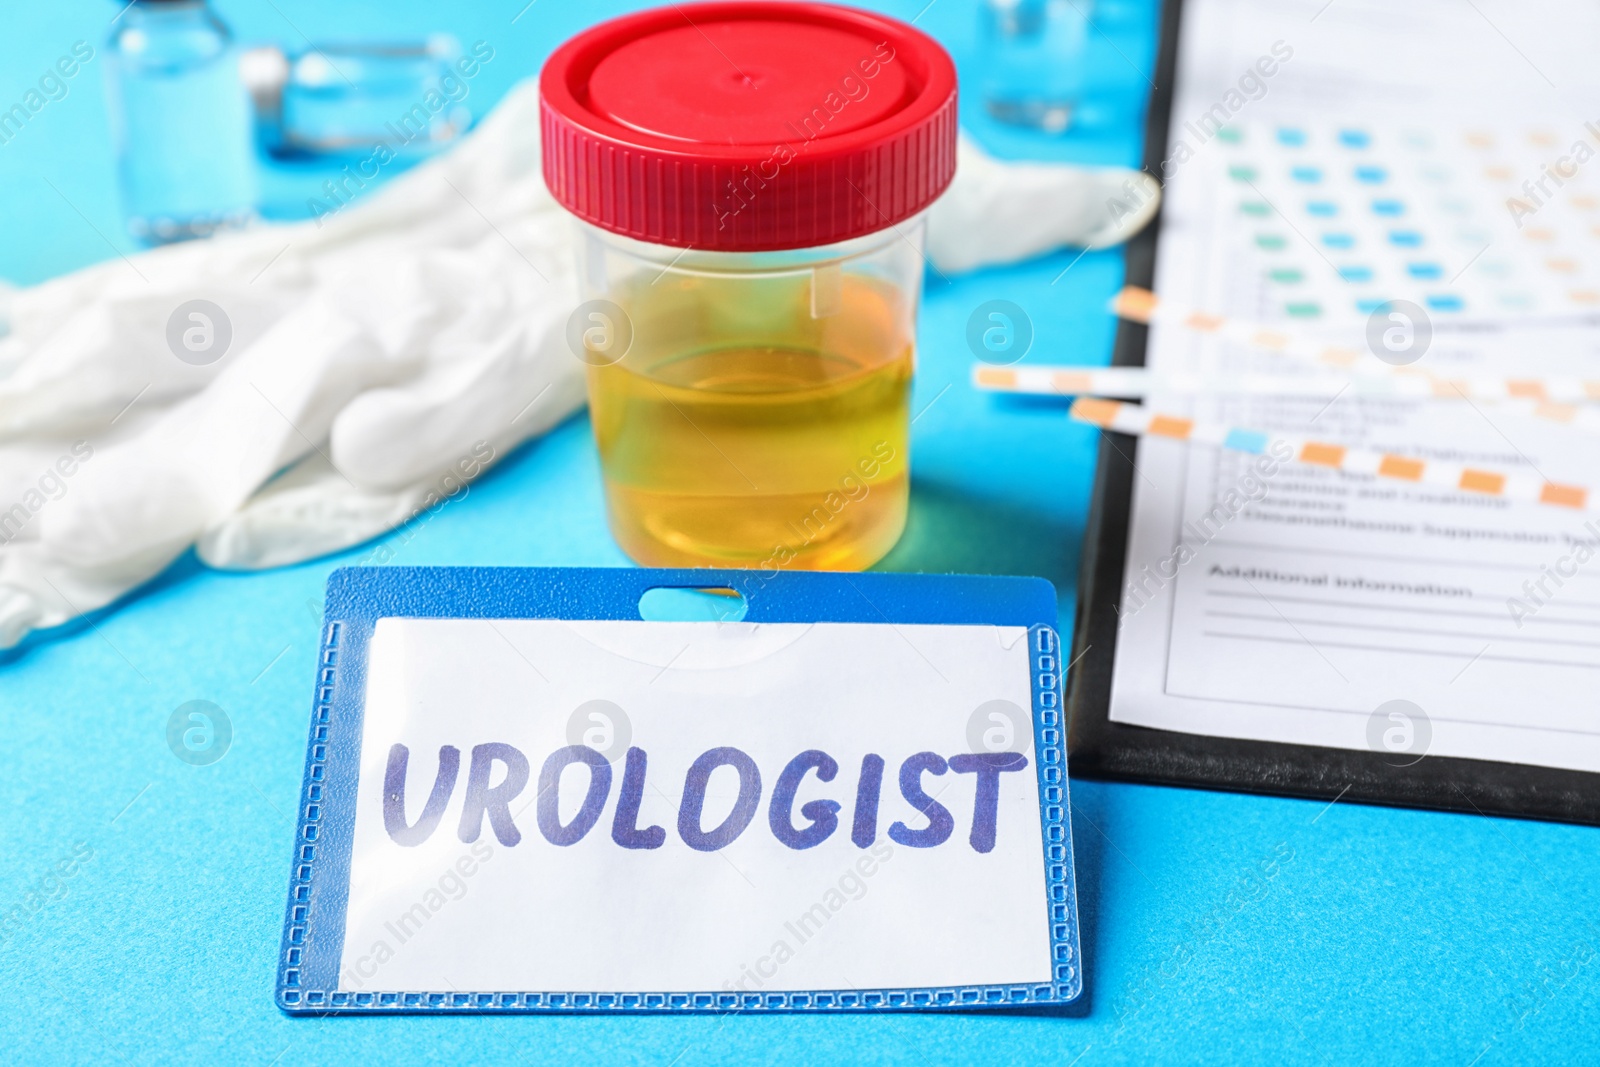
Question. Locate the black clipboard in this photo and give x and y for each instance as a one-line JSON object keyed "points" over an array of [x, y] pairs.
{"points": [[1100, 748]]}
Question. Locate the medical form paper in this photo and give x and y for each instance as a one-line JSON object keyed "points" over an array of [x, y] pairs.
{"points": [[1324, 159]]}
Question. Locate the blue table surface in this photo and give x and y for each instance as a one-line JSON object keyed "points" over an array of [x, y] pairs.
{"points": [[1216, 927]]}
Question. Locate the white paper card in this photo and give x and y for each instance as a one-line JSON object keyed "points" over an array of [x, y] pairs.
{"points": [[947, 894]]}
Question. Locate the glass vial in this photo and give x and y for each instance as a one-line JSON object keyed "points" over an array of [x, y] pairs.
{"points": [[1033, 56], [181, 119]]}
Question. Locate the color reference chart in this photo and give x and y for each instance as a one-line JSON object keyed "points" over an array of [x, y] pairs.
{"points": [[1336, 220]]}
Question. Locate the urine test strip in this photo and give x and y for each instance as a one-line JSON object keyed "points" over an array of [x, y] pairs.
{"points": [[1512, 485], [1134, 382], [1143, 306], [1130, 383]]}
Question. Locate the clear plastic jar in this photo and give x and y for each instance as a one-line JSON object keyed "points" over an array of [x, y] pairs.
{"points": [[760, 409], [750, 181]]}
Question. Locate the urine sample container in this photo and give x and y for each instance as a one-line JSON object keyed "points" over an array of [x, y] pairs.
{"points": [[748, 182]]}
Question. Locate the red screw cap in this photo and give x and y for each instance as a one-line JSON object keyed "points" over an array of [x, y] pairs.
{"points": [[748, 127]]}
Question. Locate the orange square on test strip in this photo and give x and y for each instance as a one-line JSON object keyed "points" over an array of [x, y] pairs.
{"points": [[1099, 412], [1322, 455], [1167, 426], [1569, 496], [1482, 481], [1135, 303], [1071, 383], [1401, 467]]}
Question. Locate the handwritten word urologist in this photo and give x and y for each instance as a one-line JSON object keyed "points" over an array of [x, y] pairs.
{"points": [[819, 818]]}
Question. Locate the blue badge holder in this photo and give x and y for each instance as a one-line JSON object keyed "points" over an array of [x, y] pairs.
{"points": [[357, 597]]}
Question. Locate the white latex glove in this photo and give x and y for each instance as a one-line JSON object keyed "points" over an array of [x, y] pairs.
{"points": [[375, 362], [998, 212], [378, 361]]}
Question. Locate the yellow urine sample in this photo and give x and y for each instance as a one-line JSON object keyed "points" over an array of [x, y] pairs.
{"points": [[758, 420]]}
